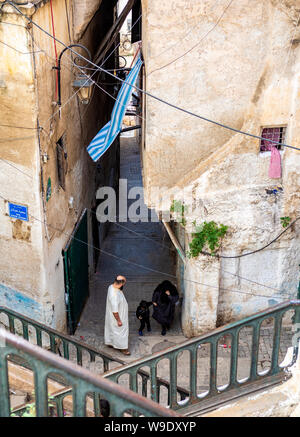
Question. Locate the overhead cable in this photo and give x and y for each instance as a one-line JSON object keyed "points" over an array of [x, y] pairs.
{"points": [[194, 46], [152, 95], [257, 250], [148, 268]]}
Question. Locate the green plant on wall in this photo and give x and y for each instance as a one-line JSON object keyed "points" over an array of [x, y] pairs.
{"points": [[210, 234], [179, 210], [285, 221]]}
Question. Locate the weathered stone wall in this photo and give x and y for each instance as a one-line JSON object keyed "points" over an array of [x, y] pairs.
{"points": [[222, 78], [21, 271], [241, 70], [31, 262]]}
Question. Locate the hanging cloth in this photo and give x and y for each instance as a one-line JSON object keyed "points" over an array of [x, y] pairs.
{"points": [[275, 164], [106, 136]]}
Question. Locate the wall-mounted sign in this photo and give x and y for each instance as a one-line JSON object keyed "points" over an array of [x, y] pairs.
{"points": [[18, 211], [48, 192]]}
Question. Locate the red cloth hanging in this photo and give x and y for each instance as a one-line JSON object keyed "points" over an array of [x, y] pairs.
{"points": [[275, 164]]}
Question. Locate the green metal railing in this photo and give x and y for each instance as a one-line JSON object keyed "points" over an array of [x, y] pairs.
{"points": [[83, 383], [178, 396], [53, 340], [46, 337], [192, 346]]}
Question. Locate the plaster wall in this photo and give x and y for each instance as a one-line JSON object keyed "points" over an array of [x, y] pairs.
{"points": [[237, 64], [33, 266], [20, 242]]}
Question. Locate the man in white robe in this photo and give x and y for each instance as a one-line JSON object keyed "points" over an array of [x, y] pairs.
{"points": [[116, 317]]}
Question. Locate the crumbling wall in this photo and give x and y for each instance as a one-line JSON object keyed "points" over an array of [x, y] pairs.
{"points": [[234, 63], [31, 264]]}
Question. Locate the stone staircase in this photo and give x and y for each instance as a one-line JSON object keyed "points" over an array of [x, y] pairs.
{"points": [[191, 378]]}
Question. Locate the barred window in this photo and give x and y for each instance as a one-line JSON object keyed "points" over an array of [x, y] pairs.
{"points": [[272, 133]]}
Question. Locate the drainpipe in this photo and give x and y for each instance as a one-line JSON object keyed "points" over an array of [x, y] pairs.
{"points": [[298, 295], [296, 329], [175, 241]]}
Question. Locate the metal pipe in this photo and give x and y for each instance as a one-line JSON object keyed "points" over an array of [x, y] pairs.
{"points": [[298, 296], [175, 241], [58, 67], [127, 129]]}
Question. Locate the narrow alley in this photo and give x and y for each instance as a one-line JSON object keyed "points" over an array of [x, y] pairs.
{"points": [[143, 243], [150, 141]]}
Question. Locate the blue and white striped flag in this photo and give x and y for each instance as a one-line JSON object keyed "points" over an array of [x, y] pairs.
{"points": [[106, 136]]}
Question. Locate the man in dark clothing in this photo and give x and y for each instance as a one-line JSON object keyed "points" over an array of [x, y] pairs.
{"points": [[164, 299], [143, 314]]}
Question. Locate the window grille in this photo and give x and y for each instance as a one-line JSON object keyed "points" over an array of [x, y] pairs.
{"points": [[272, 133]]}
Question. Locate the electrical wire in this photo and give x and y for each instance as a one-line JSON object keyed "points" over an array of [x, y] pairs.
{"points": [[13, 24], [17, 168], [257, 250], [170, 248], [118, 45], [99, 72], [106, 92], [207, 253], [18, 51], [70, 42], [18, 127], [181, 39], [144, 267], [152, 95], [204, 252], [68, 21], [67, 67], [192, 48], [5, 140], [47, 54], [82, 71]]}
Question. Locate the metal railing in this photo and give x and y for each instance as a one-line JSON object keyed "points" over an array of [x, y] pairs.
{"points": [[53, 340], [232, 331], [49, 338], [83, 383], [178, 396]]}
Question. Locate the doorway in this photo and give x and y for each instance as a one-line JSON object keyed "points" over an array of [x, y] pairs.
{"points": [[76, 272]]}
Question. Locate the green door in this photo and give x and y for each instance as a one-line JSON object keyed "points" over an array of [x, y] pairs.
{"points": [[76, 269]]}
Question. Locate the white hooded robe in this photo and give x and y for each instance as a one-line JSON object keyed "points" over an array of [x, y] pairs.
{"points": [[114, 335]]}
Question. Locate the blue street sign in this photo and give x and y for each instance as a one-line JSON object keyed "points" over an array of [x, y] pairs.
{"points": [[18, 211]]}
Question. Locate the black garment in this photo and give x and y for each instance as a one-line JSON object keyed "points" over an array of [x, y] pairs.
{"points": [[144, 322], [143, 314], [163, 313], [104, 408]]}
